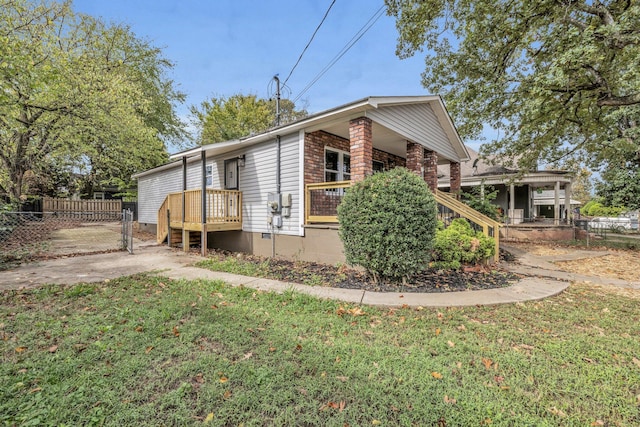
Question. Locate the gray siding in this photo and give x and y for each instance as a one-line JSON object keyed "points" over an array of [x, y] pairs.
{"points": [[257, 178], [153, 189], [418, 123]]}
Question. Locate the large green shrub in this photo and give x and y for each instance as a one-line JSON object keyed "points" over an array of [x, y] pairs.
{"points": [[595, 208], [387, 224], [459, 244]]}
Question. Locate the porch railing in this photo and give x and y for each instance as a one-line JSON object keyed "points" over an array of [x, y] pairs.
{"points": [[322, 200], [449, 208]]}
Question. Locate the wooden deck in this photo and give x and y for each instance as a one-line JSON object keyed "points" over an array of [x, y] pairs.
{"points": [[183, 211]]}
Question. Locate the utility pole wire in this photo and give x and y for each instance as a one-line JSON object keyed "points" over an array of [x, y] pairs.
{"points": [[361, 32], [310, 40]]}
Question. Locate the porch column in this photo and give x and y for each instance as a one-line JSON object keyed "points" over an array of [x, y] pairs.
{"points": [[415, 158], [185, 233], [556, 213], [454, 179], [567, 201], [361, 148], [431, 169], [512, 203], [203, 233]]}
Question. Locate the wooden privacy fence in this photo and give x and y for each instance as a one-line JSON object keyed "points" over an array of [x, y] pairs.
{"points": [[84, 210]]}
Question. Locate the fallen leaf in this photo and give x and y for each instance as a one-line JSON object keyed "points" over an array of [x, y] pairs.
{"points": [[450, 400], [462, 328], [356, 311], [558, 412], [597, 423], [272, 349], [298, 347], [436, 375], [35, 390], [20, 349], [139, 329], [148, 349], [343, 378], [227, 394], [438, 331], [636, 361], [451, 343], [209, 418], [175, 331], [53, 349], [342, 405], [224, 379], [247, 356], [376, 422], [487, 363]]}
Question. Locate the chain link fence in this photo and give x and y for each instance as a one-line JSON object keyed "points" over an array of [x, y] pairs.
{"points": [[26, 236]]}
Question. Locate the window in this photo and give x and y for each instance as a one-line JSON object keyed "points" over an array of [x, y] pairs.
{"points": [[337, 165], [378, 166], [209, 175]]}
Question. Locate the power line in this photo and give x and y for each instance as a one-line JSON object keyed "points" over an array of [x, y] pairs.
{"points": [[310, 40], [361, 32]]}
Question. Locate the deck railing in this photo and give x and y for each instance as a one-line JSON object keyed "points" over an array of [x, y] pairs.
{"points": [[223, 211], [322, 200]]}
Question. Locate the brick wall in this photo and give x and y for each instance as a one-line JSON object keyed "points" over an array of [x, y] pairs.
{"points": [[431, 169], [314, 145], [454, 180], [415, 158], [361, 148]]}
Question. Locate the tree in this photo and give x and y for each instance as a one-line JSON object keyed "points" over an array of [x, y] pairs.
{"points": [[480, 199], [388, 223], [224, 119], [80, 95], [557, 78], [620, 187]]}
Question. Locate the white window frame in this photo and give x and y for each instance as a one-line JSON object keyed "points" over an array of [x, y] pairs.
{"points": [[209, 175], [340, 172]]}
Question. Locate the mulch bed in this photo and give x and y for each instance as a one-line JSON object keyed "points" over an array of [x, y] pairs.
{"points": [[429, 281]]}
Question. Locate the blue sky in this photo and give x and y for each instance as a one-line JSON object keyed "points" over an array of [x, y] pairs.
{"points": [[225, 47]]}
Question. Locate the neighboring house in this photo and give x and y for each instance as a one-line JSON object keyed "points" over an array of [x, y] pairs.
{"points": [[537, 196], [276, 193]]}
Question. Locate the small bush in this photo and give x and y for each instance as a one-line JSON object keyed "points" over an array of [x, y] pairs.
{"points": [[387, 224], [459, 244]]}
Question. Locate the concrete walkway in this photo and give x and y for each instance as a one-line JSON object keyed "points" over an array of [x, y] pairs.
{"points": [[545, 281]]}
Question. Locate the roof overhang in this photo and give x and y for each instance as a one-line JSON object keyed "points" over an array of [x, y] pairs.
{"points": [[335, 120]]}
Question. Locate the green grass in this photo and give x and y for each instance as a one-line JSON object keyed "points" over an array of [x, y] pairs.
{"points": [[152, 351]]}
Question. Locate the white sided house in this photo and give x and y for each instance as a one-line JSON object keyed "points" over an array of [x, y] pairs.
{"points": [[276, 193]]}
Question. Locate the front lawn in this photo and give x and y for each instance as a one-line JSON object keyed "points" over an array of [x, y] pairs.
{"points": [[151, 351]]}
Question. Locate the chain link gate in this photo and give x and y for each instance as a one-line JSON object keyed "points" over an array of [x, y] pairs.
{"points": [[127, 230]]}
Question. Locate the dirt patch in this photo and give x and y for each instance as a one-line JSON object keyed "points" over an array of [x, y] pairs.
{"points": [[618, 265], [608, 290]]}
